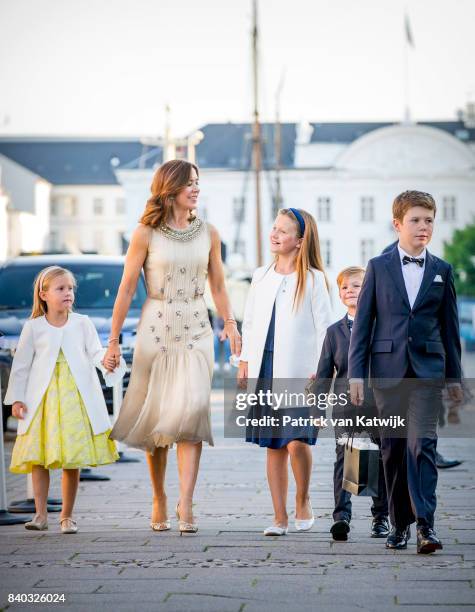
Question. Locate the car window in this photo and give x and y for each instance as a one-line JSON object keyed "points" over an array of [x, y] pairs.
{"points": [[466, 315], [97, 286]]}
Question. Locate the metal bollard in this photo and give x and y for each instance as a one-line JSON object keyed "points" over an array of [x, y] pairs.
{"points": [[5, 517]]}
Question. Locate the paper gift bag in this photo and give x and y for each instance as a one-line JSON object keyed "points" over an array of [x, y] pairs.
{"points": [[361, 468]]}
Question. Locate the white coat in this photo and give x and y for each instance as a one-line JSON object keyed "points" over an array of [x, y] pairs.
{"points": [[299, 334], [34, 362]]}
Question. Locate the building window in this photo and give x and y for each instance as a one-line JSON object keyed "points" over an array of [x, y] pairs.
{"points": [[367, 250], [98, 241], [240, 247], [239, 209], [63, 206], [367, 208], [324, 209], [98, 206], [54, 240], [326, 248], [449, 208], [120, 206]]}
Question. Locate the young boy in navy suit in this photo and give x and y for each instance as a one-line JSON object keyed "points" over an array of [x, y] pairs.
{"points": [[334, 362], [407, 323]]}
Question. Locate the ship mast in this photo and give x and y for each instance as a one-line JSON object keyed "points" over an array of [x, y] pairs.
{"points": [[256, 134]]}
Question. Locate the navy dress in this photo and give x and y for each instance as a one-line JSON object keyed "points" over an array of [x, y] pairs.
{"points": [[276, 436]]}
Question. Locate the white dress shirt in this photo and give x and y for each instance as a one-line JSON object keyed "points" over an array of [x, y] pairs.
{"points": [[412, 274]]}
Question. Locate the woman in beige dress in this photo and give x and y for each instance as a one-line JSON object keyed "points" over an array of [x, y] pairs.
{"points": [[168, 397]]}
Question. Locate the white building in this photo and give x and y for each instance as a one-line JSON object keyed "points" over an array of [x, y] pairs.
{"points": [[86, 208], [24, 210], [347, 175]]}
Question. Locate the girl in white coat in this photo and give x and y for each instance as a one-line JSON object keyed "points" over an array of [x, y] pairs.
{"points": [[287, 314], [57, 397]]}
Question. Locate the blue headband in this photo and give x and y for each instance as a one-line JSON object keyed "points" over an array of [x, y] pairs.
{"points": [[300, 219]]}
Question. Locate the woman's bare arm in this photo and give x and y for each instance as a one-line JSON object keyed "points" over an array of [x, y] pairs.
{"points": [[219, 293], [134, 260]]}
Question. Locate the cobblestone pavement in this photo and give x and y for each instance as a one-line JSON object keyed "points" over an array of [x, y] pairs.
{"points": [[117, 563]]}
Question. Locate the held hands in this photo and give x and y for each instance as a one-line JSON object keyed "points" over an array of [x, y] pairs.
{"points": [[357, 393], [19, 410], [112, 357]]}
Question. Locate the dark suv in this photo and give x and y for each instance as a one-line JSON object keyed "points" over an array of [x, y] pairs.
{"points": [[98, 279]]}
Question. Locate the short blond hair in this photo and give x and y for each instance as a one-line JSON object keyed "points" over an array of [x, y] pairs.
{"points": [[350, 271]]}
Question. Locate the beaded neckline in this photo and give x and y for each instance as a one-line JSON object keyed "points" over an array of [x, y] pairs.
{"points": [[183, 235]]}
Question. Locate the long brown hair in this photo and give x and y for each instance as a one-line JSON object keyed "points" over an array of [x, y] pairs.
{"points": [[167, 182], [309, 255], [42, 283]]}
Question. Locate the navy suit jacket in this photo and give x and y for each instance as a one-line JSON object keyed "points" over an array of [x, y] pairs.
{"points": [[334, 355], [425, 337], [334, 361]]}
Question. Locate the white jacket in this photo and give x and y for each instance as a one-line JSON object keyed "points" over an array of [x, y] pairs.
{"points": [[299, 334], [35, 358]]}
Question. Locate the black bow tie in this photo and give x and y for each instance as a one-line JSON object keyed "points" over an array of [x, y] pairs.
{"points": [[350, 324], [417, 260]]}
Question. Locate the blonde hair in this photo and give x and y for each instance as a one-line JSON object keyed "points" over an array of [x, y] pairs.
{"points": [[167, 182], [309, 255], [350, 271], [42, 283]]}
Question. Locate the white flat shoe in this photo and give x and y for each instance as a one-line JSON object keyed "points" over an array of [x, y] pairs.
{"points": [[68, 525], [276, 530], [305, 524], [37, 525]]}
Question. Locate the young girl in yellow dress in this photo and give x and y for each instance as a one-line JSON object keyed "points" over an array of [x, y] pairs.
{"points": [[57, 397]]}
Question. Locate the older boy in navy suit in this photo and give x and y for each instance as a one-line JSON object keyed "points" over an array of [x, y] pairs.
{"points": [[407, 322], [334, 362]]}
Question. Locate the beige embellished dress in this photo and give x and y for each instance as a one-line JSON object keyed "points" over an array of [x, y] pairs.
{"points": [[168, 397]]}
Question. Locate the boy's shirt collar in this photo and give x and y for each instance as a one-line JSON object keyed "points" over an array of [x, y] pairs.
{"points": [[402, 252]]}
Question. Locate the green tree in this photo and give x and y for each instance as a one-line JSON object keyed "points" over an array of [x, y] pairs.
{"points": [[460, 252]]}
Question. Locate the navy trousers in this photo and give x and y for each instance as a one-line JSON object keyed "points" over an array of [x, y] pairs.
{"points": [[410, 458]]}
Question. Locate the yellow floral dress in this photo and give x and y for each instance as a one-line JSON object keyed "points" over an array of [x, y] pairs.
{"points": [[60, 434]]}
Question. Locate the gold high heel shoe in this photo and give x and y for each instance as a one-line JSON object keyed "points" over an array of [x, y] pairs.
{"points": [[160, 525], [183, 526], [163, 526]]}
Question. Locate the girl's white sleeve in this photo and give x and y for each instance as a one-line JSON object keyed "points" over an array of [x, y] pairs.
{"points": [[321, 308], [96, 352], [21, 365], [247, 321]]}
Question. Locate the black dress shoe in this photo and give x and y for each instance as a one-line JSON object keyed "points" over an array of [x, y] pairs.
{"points": [[380, 528], [398, 538], [442, 463], [427, 541], [340, 530]]}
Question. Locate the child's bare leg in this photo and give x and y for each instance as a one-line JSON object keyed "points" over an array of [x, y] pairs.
{"points": [[40, 478], [69, 488]]}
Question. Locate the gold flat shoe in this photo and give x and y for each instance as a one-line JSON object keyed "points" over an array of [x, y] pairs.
{"points": [[36, 525], [68, 525], [183, 526], [163, 526]]}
